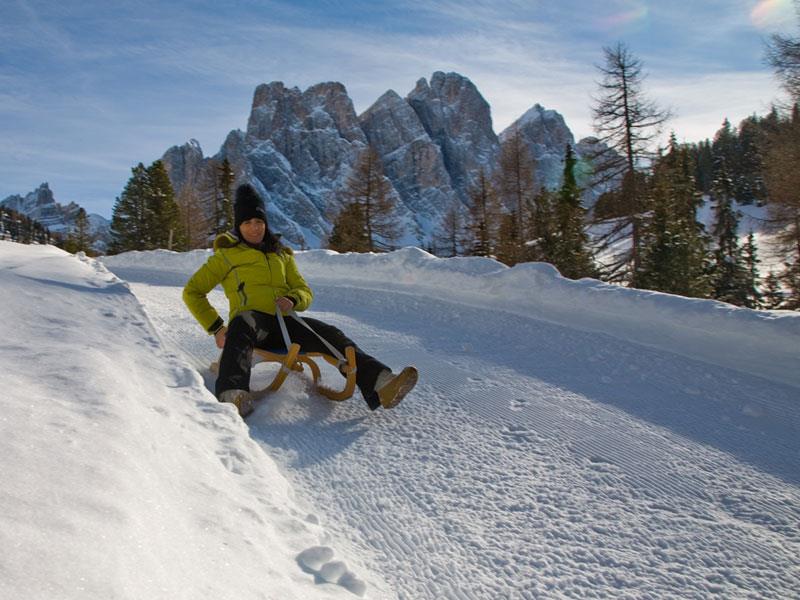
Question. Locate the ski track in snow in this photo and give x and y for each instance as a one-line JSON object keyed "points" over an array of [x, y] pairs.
{"points": [[532, 460]]}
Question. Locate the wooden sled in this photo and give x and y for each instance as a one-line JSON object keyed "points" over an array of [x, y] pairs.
{"points": [[294, 359]]}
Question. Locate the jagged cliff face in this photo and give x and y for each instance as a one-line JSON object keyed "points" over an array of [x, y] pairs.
{"points": [[300, 147], [459, 121], [411, 160]]}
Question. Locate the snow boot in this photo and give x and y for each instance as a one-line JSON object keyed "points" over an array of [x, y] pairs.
{"points": [[241, 399], [393, 388]]}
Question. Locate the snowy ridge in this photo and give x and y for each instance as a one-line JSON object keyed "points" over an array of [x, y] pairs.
{"points": [[765, 343], [122, 475]]}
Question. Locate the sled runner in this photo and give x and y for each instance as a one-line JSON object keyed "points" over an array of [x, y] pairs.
{"points": [[293, 359]]}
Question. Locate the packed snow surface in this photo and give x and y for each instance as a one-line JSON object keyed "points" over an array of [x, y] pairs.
{"points": [[566, 439]]}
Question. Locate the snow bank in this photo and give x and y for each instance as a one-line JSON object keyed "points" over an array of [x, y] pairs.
{"points": [[122, 476], [763, 343]]}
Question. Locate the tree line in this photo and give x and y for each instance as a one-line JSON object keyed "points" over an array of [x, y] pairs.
{"points": [[643, 231], [17, 227]]}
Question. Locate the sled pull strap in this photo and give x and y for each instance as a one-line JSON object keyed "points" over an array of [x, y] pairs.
{"points": [[342, 360], [284, 331]]}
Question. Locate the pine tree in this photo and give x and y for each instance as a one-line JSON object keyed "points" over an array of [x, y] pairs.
{"points": [[166, 227], [367, 221], [674, 245], [569, 252], [79, 239], [772, 297], [791, 281], [131, 218], [626, 123], [729, 274], [146, 216], [484, 213], [753, 296]]}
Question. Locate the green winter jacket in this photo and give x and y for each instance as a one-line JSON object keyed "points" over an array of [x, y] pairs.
{"points": [[251, 279]]}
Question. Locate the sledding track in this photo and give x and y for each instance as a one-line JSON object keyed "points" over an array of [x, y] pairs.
{"points": [[534, 460]]}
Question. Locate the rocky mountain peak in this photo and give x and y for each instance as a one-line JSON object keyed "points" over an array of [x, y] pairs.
{"points": [[546, 135], [300, 147], [458, 119]]}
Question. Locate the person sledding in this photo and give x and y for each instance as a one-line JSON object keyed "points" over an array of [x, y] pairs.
{"points": [[259, 276]]}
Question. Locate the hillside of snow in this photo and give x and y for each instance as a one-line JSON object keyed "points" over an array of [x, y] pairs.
{"points": [[567, 439]]}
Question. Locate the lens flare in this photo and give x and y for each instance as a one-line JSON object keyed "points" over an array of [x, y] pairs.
{"points": [[636, 11], [771, 13]]}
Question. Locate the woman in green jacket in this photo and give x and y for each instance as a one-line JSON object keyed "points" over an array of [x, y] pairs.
{"points": [[258, 274]]}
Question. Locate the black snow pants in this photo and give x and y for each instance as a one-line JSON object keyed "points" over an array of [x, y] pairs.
{"points": [[253, 329]]}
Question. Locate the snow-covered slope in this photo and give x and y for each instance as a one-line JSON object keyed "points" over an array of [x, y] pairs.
{"points": [[567, 439], [122, 476]]}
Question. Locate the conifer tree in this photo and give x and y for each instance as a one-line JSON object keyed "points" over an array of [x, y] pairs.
{"points": [[195, 224], [450, 239], [79, 239], [570, 253], [349, 233], [772, 297], [782, 178], [131, 218], [626, 123], [367, 221], [516, 190], [223, 196], [753, 296], [729, 274], [166, 227], [146, 216], [783, 54], [674, 245], [484, 216]]}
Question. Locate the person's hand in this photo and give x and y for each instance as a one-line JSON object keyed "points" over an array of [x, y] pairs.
{"points": [[219, 337], [284, 304]]}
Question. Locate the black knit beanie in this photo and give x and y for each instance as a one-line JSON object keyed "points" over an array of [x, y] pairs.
{"points": [[248, 205]]}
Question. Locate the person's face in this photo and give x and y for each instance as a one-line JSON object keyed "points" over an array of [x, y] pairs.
{"points": [[253, 230]]}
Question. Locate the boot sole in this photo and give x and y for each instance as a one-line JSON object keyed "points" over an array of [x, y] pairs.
{"points": [[405, 382]]}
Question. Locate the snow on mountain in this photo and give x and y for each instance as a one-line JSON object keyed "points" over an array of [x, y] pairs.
{"points": [[301, 146], [546, 136], [40, 205], [567, 439]]}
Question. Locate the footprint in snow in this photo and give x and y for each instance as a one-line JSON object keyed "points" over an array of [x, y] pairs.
{"points": [[518, 404], [317, 561]]}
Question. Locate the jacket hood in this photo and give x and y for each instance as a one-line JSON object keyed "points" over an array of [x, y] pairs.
{"points": [[226, 240]]}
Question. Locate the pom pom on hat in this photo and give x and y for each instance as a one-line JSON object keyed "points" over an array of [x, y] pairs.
{"points": [[247, 205]]}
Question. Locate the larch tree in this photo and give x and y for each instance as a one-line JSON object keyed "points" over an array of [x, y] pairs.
{"points": [[484, 216], [515, 185], [367, 221], [626, 123]]}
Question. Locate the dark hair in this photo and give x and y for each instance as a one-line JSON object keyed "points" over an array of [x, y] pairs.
{"points": [[270, 243]]}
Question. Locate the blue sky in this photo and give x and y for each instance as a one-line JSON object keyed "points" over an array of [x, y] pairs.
{"points": [[89, 88]]}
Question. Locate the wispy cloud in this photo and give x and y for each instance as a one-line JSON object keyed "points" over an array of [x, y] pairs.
{"points": [[94, 87]]}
